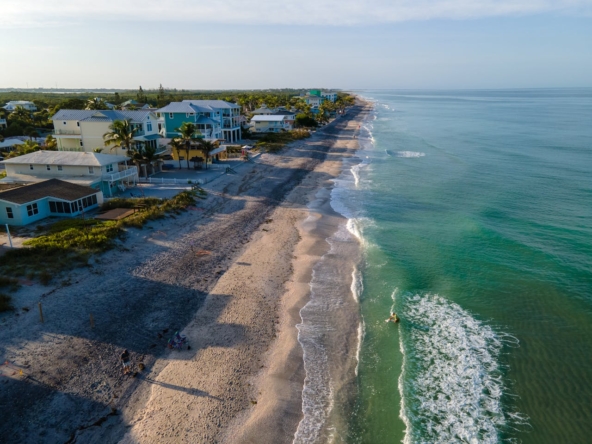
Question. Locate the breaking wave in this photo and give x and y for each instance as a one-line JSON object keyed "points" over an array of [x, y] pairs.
{"points": [[451, 385]]}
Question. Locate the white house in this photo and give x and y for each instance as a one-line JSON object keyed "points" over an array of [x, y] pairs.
{"points": [[329, 95], [11, 106], [263, 111], [83, 130], [270, 124], [106, 172], [3, 123], [31, 203]]}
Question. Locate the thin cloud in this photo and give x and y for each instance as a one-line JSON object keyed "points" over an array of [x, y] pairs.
{"points": [[19, 13]]}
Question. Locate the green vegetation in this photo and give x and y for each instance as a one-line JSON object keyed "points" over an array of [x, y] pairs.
{"points": [[273, 142], [70, 243]]}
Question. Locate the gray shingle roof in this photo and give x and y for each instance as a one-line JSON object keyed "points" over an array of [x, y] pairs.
{"points": [[49, 188], [178, 107], [101, 115]]}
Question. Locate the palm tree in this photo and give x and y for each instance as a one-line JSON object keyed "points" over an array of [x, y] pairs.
{"points": [[20, 114], [207, 147], [146, 154], [96, 103], [188, 132], [51, 144], [177, 145], [121, 135]]}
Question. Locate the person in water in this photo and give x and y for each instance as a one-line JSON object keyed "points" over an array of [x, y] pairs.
{"points": [[393, 317]]}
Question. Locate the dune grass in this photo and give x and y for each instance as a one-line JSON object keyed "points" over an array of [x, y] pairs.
{"points": [[273, 142], [70, 243]]}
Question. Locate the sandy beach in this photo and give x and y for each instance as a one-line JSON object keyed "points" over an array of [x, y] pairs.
{"points": [[231, 276]]}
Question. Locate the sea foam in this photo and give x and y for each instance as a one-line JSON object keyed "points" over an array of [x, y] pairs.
{"points": [[451, 385]]}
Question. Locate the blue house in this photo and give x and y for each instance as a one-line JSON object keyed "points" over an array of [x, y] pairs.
{"points": [[54, 197]]}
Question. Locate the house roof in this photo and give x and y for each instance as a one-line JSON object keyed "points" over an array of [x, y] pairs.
{"points": [[206, 120], [10, 142], [179, 107], [71, 158], [283, 112], [271, 118], [216, 104], [101, 115], [50, 188]]}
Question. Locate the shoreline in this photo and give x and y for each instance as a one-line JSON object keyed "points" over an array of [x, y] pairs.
{"points": [[240, 306]]}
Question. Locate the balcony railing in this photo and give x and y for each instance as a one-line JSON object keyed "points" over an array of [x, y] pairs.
{"points": [[131, 171], [63, 132]]}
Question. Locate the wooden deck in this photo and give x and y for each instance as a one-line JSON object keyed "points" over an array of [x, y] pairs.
{"points": [[116, 214]]}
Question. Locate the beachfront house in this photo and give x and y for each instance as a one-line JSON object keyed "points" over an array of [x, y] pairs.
{"points": [[31, 203], [83, 130], [105, 172], [270, 124], [263, 110], [13, 104], [215, 119]]}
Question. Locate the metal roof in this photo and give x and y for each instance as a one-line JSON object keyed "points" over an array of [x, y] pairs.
{"points": [[50, 188], [71, 158], [216, 104], [271, 118], [206, 120], [178, 107], [101, 115]]}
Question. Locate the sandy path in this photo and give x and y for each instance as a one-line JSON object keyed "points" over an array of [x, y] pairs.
{"points": [[228, 300]]}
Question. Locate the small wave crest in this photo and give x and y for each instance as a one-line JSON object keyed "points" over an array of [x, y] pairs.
{"points": [[451, 385], [407, 154]]}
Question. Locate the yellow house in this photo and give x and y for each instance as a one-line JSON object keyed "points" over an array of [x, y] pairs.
{"points": [[197, 156]]}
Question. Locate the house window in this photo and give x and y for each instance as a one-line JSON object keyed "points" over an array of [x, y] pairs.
{"points": [[149, 126], [170, 115], [109, 168], [91, 170], [30, 167], [77, 123], [64, 123], [9, 213], [32, 209], [48, 167], [81, 143], [60, 167]]}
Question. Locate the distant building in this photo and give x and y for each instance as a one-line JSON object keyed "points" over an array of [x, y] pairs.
{"points": [[3, 123], [271, 124], [106, 172], [12, 105], [290, 116], [263, 111], [83, 130], [32, 203]]}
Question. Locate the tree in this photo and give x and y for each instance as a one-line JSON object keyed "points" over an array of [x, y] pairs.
{"points": [[188, 131], [302, 120], [96, 103], [141, 96], [161, 97], [207, 147], [21, 115], [146, 154], [51, 144], [31, 132], [177, 145], [121, 135]]}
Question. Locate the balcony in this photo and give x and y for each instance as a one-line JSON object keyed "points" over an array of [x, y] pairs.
{"points": [[68, 133], [112, 177]]}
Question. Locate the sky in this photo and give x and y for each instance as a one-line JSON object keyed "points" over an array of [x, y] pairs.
{"points": [[260, 44]]}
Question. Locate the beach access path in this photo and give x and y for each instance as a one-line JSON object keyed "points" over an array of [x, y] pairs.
{"points": [[225, 274]]}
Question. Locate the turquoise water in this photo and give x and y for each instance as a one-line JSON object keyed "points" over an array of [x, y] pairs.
{"points": [[475, 214]]}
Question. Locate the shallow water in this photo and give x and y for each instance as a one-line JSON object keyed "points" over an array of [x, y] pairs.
{"points": [[473, 209]]}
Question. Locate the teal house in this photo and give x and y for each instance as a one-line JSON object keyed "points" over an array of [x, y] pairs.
{"points": [[215, 119]]}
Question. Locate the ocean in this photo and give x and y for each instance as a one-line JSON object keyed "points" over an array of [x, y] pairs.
{"points": [[473, 215]]}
